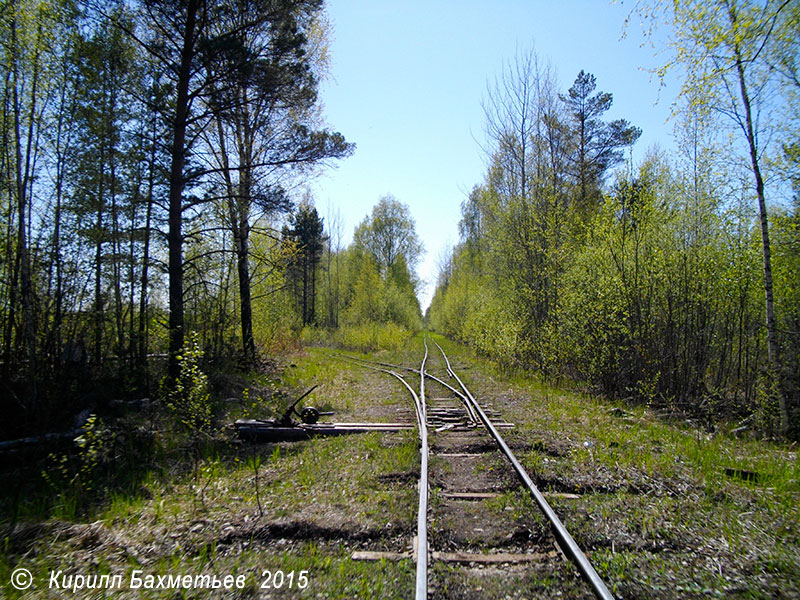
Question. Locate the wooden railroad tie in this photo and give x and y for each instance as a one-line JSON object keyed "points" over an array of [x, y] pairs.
{"points": [[459, 557], [487, 495], [462, 454]]}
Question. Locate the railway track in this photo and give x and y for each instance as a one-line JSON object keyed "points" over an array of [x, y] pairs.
{"points": [[464, 435]]}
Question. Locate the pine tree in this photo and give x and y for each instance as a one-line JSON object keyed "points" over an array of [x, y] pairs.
{"points": [[264, 121], [306, 234], [597, 144]]}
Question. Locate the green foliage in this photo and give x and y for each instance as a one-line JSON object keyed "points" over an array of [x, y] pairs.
{"points": [[306, 241], [275, 314], [188, 398], [367, 297], [73, 477], [91, 448], [634, 311], [370, 300], [470, 310], [786, 248], [766, 411], [376, 304], [738, 62], [388, 234], [369, 337], [378, 298], [653, 295]]}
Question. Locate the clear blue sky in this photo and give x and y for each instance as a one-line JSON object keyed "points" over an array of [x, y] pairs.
{"points": [[407, 79]]}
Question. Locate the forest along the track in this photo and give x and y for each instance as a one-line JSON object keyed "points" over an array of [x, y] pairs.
{"points": [[473, 547]]}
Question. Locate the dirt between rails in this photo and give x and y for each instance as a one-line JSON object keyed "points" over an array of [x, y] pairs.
{"points": [[468, 463]]}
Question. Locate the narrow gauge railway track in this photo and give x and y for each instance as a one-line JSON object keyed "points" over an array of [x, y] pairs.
{"points": [[469, 416]]}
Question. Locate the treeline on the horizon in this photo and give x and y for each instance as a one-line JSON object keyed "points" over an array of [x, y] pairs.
{"points": [[363, 296], [646, 282]]}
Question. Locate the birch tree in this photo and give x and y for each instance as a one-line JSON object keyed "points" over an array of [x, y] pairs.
{"points": [[738, 61]]}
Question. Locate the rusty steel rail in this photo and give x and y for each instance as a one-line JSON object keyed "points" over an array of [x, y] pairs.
{"points": [[563, 537], [421, 585], [421, 589], [473, 416]]}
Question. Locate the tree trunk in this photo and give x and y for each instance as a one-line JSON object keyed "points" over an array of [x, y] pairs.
{"points": [[330, 288], [176, 184], [23, 255], [305, 286], [771, 322], [98, 295], [239, 199], [246, 308], [61, 149], [245, 197], [312, 301], [146, 252], [116, 238]]}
